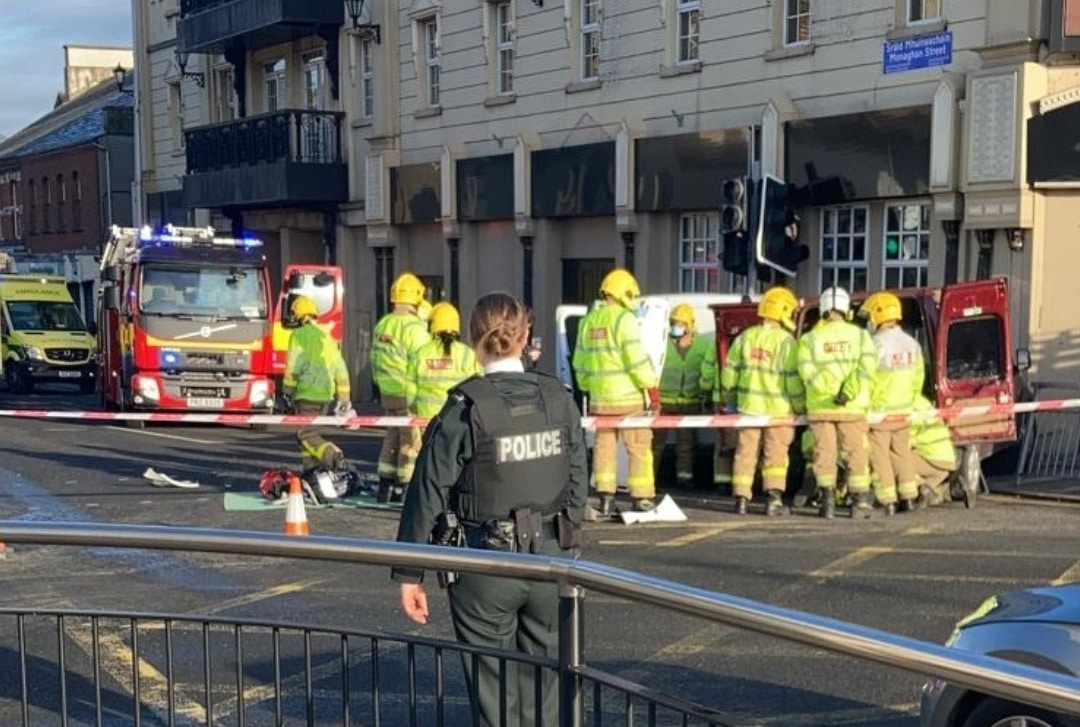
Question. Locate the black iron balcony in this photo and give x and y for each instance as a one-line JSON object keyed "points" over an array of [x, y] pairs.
{"points": [[285, 158], [209, 26]]}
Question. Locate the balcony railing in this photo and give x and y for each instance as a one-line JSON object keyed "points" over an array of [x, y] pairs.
{"points": [[210, 26], [304, 137]]}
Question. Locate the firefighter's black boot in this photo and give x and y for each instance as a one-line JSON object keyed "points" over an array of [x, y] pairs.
{"points": [[386, 488], [828, 503], [740, 506], [776, 504], [607, 505], [906, 505], [890, 509], [397, 494], [861, 505]]}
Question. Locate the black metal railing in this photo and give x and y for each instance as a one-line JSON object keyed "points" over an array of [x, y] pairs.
{"points": [[191, 7], [187, 670], [306, 137]]}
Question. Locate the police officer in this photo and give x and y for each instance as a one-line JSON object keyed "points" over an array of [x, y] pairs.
{"points": [[616, 375], [440, 364], [680, 389], [896, 384], [836, 362], [397, 336], [507, 455], [933, 454], [761, 377], [316, 380]]}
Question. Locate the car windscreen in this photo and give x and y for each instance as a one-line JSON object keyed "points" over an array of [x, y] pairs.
{"points": [[39, 315], [215, 291], [974, 349]]}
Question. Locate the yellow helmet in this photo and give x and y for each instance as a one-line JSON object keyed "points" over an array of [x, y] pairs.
{"points": [[445, 319], [621, 285], [302, 307], [684, 313], [883, 307], [423, 311], [407, 289], [779, 304]]}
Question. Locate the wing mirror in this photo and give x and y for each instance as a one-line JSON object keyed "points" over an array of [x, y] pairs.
{"points": [[1022, 361]]}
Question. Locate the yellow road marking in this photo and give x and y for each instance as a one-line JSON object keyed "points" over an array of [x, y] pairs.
{"points": [[1071, 575], [250, 598], [856, 557], [702, 534]]}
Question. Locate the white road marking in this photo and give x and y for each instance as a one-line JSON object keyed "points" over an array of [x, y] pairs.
{"points": [[165, 436]]}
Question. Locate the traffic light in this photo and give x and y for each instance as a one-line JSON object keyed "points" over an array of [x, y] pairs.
{"points": [[733, 217], [775, 228], [736, 253]]}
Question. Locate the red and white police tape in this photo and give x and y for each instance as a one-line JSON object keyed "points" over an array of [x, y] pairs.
{"points": [[704, 421]]}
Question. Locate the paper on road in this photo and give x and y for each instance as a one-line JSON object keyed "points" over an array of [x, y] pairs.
{"points": [[159, 479], [666, 512]]}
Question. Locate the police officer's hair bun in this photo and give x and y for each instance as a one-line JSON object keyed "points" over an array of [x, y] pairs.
{"points": [[499, 325]]}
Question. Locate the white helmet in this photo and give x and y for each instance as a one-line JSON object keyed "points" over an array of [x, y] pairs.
{"points": [[836, 299]]}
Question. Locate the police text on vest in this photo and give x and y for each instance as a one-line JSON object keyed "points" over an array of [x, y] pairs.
{"points": [[523, 447]]}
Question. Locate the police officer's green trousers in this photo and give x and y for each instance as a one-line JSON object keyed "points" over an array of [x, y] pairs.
{"points": [[511, 615]]}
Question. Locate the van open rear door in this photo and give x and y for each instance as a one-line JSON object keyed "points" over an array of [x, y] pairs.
{"points": [[322, 283], [731, 320], [974, 358]]}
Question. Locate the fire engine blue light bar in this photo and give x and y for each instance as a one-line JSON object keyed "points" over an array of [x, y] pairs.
{"points": [[170, 235]]}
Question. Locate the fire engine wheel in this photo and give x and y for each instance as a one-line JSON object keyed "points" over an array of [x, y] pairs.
{"points": [[17, 380], [971, 474]]}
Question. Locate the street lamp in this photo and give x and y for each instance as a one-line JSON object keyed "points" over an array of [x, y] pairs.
{"points": [[355, 9], [182, 58], [120, 74]]}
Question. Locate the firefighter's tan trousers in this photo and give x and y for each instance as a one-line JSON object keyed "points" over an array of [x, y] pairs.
{"points": [[400, 446], [892, 462], [934, 474], [685, 441], [844, 435], [772, 443], [638, 442]]}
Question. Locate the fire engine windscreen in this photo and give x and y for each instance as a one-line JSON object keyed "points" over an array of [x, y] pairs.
{"points": [[219, 292], [36, 315]]}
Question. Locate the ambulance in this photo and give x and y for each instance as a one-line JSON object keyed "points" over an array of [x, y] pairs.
{"points": [[43, 337]]}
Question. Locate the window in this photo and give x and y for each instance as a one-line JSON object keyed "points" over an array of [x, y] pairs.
{"points": [[920, 11], [224, 96], [689, 18], [61, 203], [46, 212], [699, 253], [796, 22], [907, 245], [974, 349], [76, 202], [843, 247], [16, 211], [176, 115], [274, 85], [367, 80], [504, 46], [429, 39], [590, 40], [314, 81], [33, 207]]}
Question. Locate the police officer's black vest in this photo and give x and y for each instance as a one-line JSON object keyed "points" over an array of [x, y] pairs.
{"points": [[521, 452]]}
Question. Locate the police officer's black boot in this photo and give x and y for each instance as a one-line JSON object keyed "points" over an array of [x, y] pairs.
{"points": [[740, 506], [386, 488], [828, 503], [776, 504]]}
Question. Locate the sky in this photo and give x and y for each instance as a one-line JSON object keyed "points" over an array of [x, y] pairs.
{"points": [[33, 34]]}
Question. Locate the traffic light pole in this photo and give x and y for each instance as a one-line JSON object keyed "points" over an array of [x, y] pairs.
{"points": [[750, 282]]}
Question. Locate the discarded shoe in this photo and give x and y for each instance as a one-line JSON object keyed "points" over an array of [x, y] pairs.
{"points": [[740, 506]]}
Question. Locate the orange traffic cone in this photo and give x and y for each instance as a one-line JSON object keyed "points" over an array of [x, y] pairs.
{"points": [[295, 515]]}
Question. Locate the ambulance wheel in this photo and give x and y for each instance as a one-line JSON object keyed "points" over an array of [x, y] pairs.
{"points": [[971, 474], [17, 380]]}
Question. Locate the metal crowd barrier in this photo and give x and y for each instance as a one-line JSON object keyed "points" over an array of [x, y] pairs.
{"points": [[287, 668]]}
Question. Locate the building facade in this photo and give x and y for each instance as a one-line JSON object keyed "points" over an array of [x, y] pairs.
{"points": [[531, 146]]}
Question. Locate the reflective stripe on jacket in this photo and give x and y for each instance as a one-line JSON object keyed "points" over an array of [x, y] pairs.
{"points": [[315, 370], [432, 373], [609, 361], [837, 356], [901, 371], [931, 438], [760, 374], [680, 381], [395, 338]]}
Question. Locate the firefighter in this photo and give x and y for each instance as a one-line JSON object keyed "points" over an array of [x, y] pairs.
{"points": [[897, 383], [680, 389], [933, 454], [760, 377], [397, 335], [726, 438], [439, 365], [506, 455], [836, 361], [617, 378], [316, 382]]}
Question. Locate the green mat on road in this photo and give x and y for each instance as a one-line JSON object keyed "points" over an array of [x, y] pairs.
{"points": [[250, 501]]}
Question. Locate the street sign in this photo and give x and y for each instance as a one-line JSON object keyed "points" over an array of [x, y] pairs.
{"points": [[918, 52]]}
